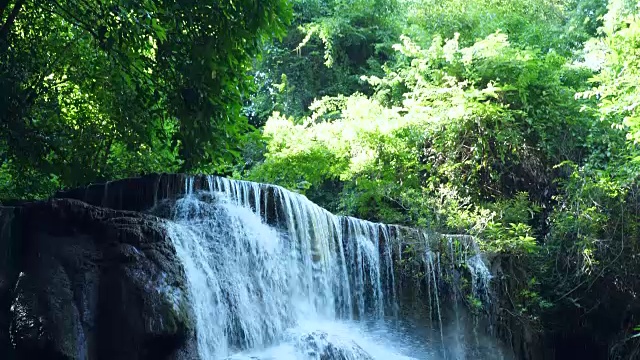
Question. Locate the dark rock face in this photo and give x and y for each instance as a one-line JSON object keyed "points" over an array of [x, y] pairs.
{"points": [[524, 339], [90, 283], [134, 194], [7, 215], [158, 192]]}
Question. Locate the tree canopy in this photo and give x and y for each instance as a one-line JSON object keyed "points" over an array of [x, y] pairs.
{"points": [[103, 89]]}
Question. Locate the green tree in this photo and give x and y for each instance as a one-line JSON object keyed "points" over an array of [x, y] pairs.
{"points": [[97, 90], [329, 45], [545, 24]]}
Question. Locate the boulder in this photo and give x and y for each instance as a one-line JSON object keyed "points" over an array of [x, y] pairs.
{"points": [[92, 283], [319, 345]]}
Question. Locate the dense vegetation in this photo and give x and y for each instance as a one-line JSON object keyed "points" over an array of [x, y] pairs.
{"points": [[513, 121], [111, 88]]}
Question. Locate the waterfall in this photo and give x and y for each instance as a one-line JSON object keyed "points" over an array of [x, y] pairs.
{"points": [[274, 276]]}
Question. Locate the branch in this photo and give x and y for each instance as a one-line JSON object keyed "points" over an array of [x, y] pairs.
{"points": [[4, 30], [3, 6], [33, 92], [114, 52], [603, 269], [106, 155], [82, 24]]}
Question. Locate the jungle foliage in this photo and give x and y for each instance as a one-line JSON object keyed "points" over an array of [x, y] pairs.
{"points": [[96, 90]]}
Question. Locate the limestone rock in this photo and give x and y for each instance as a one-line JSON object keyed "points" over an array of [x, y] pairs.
{"points": [[93, 283]]}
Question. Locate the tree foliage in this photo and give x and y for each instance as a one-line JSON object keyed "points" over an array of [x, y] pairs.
{"points": [[104, 89], [556, 25], [329, 45]]}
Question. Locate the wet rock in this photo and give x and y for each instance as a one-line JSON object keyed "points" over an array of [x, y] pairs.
{"points": [[93, 283], [7, 214], [318, 345], [133, 194], [157, 193]]}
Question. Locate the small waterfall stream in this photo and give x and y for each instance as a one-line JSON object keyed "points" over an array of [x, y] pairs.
{"points": [[274, 276]]}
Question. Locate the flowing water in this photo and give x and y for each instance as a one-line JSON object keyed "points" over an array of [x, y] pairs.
{"points": [[274, 276]]}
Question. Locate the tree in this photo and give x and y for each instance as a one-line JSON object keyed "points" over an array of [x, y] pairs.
{"points": [[97, 90], [329, 45], [559, 25]]}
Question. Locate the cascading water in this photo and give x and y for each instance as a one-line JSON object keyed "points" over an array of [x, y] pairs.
{"points": [[274, 276]]}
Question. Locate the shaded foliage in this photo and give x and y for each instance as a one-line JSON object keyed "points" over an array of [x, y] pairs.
{"points": [[328, 46], [105, 89]]}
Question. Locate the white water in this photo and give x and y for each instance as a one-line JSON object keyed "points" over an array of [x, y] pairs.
{"points": [[274, 276]]}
